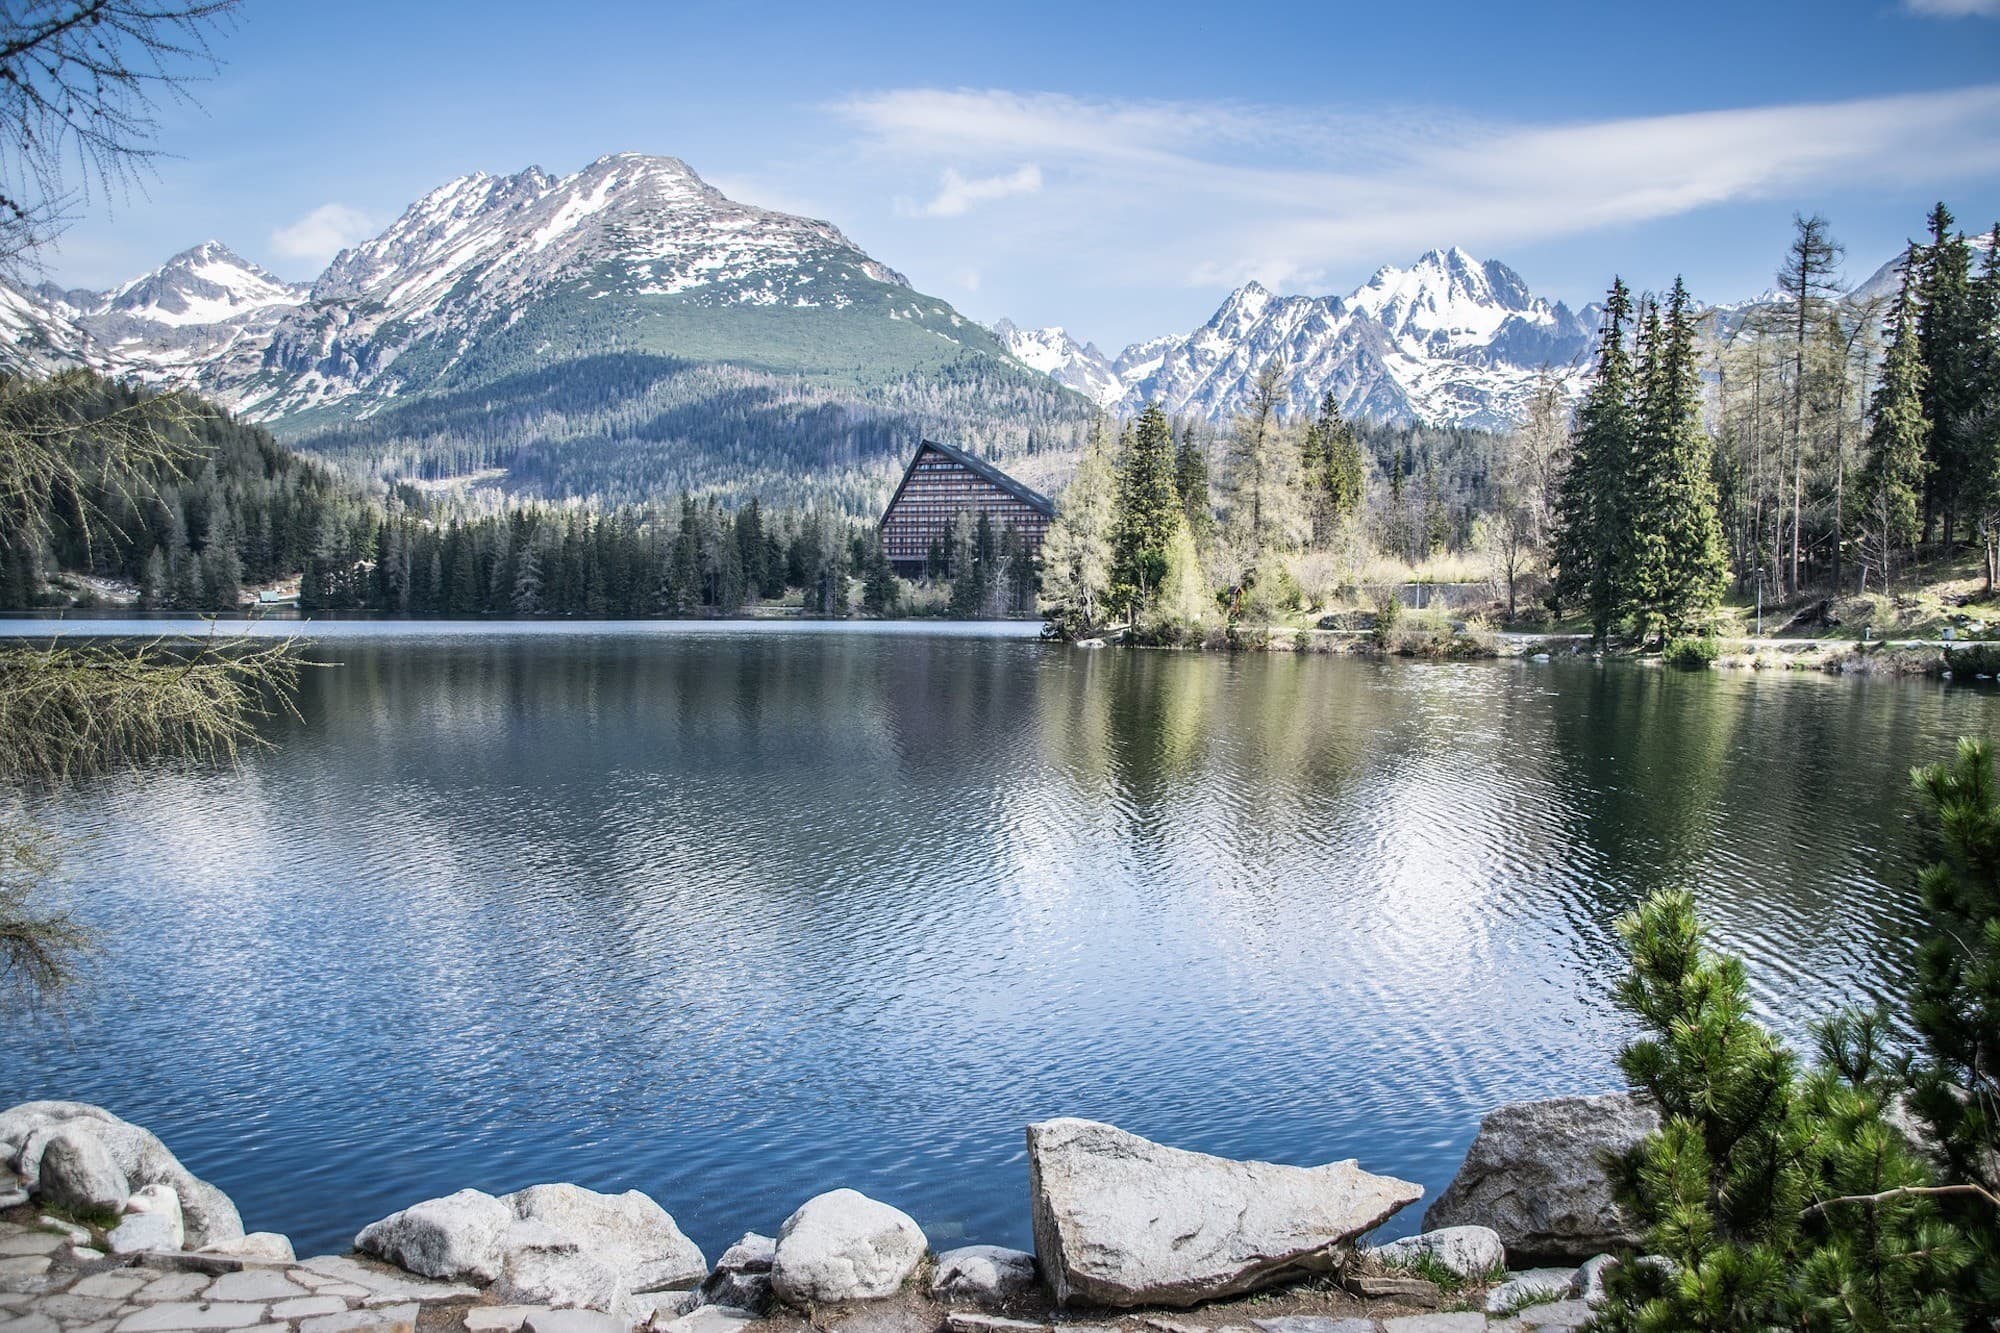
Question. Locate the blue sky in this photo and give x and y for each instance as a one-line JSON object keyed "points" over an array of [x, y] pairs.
{"points": [[1117, 168]]}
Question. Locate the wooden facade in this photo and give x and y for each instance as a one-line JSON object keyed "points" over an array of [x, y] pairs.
{"points": [[943, 482]]}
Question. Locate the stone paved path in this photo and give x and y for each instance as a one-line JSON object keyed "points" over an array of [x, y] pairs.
{"points": [[49, 1283]]}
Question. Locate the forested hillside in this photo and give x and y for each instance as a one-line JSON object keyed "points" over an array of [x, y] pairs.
{"points": [[623, 427], [221, 506]]}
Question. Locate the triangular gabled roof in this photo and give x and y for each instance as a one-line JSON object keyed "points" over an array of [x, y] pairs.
{"points": [[978, 466]]}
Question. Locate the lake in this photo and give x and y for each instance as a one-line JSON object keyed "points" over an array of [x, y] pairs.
{"points": [[734, 914]]}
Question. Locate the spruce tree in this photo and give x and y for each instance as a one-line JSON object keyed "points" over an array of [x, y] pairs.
{"points": [[1898, 434], [1191, 482], [880, 591], [1345, 471], [1675, 560], [1591, 503], [1148, 507], [1947, 339]]}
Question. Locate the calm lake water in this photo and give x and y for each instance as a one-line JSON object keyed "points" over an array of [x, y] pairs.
{"points": [[734, 915]]}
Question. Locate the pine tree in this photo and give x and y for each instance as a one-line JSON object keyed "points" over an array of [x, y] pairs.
{"points": [[1591, 504], [1191, 482], [968, 571], [1753, 1185], [1674, 559], [1810, 277], [1947, 340], [1346, 471], [880, 591], [1148, 507], [1898, 434], [1956, 1008]]}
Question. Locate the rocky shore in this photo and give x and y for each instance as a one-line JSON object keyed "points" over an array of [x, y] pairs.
{"points": [[102, 1230]]}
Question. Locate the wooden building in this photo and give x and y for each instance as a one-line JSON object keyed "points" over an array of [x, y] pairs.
{"points": [[942, 482]]}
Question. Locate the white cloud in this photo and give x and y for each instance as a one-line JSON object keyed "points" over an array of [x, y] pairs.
{"points": [[323, 233], [1211, 193], [1954, 9], [957, 193]]}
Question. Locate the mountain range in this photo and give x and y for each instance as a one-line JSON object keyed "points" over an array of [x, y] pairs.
{"points": [[1451, 340], [627, 329], [621, 331]]}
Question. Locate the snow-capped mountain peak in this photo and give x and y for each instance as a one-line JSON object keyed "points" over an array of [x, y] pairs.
{"points": [[1053, 352], [1451, 339], [205, 284]]}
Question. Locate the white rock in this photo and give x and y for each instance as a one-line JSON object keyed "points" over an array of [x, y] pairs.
{"points": [[256, 1245], [628, 1232], [752, 1254], [542, 1266], [1121, 1221], [1436, 1323], [69, 1231], [1534, 1285], [25, 1132], [1466, 1251], [152, 1222], [1535, 1175], [76, 1172], [844, 1246], [983, 1274], [1590, 1278], [456, 1238], [742, 1277]]}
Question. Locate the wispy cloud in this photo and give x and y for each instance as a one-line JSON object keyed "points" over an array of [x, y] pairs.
{"points": [[1954, 9], [323, 233], [1210, 193], [957, 194]]}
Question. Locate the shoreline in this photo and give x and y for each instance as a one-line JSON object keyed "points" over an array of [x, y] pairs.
{"points": [[102, 1230]]}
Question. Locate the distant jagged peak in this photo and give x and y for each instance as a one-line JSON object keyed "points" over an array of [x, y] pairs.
{"points": [[203, 284]]}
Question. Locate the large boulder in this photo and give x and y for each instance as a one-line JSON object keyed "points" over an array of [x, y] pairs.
{"points": [[1537, 1175], [455, 1238], [844, 1246], [629, 1232], [27, 1130], [1122, 1221], [559, 1245], [77, 1173], [540, 1265]]}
